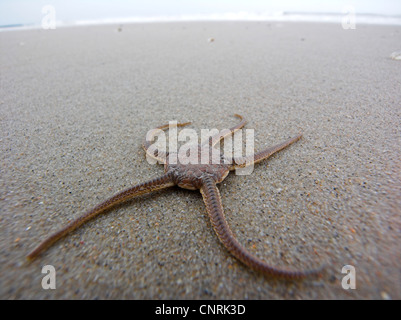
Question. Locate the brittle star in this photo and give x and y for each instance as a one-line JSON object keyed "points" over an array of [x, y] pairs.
{"points": [[203, 177]]}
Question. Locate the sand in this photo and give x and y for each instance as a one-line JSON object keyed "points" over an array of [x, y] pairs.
{"points": [[76, 103]]}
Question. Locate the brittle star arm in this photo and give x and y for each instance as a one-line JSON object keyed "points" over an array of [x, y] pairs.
{"points": [[211, 197], [241, 162], [140, 189], [213, 140], [155, 153]]}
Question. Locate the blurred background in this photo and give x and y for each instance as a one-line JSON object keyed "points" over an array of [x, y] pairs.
{"points": [[15, 13]]}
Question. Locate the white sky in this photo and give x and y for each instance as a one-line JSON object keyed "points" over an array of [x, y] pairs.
{"points": [[30, 11]]}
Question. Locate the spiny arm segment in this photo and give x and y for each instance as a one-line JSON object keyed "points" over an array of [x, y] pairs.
{"points": [[211, 197], [140, 189], [157, 154]]}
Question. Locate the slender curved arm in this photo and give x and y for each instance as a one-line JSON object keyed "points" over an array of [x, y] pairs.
{"points": [[241, 162], [140, 189], [217, 137], [211, 197], [157, 154]]}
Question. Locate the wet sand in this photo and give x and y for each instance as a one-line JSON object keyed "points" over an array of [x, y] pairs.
{"points": [[76, 103]]}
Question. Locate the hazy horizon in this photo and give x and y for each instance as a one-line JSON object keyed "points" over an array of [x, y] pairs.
{"points": [[16, 12]]}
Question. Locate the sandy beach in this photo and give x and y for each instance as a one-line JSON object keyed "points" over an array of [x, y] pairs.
{"points": [[77, 102]]}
